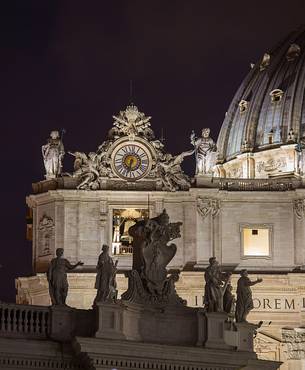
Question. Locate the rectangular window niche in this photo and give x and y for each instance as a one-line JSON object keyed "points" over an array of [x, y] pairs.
{"points": [[256, 240]]}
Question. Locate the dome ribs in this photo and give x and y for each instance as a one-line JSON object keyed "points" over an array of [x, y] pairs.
{"points": [[248, 129]]}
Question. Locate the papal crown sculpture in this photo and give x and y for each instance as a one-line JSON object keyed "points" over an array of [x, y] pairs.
{"points": [[131, 153]]}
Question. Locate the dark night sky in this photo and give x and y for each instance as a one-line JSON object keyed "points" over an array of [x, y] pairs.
{"points": [[68, 64]]}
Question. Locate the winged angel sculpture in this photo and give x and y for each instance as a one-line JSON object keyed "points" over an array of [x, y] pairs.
{"points": [[88, 168]]}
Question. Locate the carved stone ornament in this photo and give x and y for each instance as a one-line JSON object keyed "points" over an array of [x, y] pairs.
{"points": [[299, 208], [294, 340], [91, 169], [148, 281], [46, 234], [208, 206], [271, 165], [267, 348]]}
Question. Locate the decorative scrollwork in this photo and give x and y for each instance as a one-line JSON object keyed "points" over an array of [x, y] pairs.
{"points": [[299, 208], [206, 206]]}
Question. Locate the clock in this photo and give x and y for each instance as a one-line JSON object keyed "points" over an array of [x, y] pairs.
{"points": [[131, 161]]}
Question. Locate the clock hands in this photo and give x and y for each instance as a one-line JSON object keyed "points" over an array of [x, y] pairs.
{"points": [[130, 164]]}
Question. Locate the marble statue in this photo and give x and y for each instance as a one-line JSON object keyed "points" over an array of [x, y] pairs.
{"points": [[244, 303], [170, 172], [152, 251], [229, 301], [105, 282], [57, 277], [216, 283], [53, 153], [86, 168], [205, 151]]}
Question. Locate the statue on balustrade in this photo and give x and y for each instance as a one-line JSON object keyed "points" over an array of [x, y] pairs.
{"points": [[149, 281], [205, 152], [216, 282], [53, 153], [244, 303], [57, 277], [105, 282]]}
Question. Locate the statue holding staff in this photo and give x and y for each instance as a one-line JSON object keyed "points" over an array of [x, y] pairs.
{"points": [[53, 153]]}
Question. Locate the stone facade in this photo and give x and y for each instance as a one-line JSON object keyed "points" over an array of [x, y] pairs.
{"points": [[212, 221]]}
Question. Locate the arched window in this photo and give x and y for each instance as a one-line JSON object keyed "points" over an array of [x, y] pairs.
{"points": [[276, 95], [265, 62], [293, 52], [243, 106]]}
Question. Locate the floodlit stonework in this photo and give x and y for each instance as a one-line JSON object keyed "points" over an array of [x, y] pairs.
{"points": [[245, 206]]}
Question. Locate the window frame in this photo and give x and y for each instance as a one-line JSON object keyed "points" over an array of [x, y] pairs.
{"points": [[254, 226]]}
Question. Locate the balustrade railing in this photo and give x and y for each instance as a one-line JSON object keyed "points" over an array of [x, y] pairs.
{"points": [[257, 184], [24, 321]]}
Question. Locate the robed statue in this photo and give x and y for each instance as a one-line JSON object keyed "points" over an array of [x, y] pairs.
{"points": [[216, 283], [105, 282], [57, 277], [244, 303], [205, 151], [53, 153]]}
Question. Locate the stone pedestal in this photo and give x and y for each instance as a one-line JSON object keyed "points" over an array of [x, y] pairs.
{"points": [[204, 181], [146, 323], [62, 323], [110, 320], [216, 327], [175, 325], [66, 322], [245, 333]]}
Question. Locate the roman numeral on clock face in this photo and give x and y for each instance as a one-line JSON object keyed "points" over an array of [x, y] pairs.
{"points": [[131, 161]]}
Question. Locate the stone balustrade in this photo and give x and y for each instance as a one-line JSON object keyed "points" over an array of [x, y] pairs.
{"points": [[61, 323], [258, 184], [24, 321]]}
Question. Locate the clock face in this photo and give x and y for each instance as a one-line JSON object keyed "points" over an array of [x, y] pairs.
{"points": [[131, 161]]}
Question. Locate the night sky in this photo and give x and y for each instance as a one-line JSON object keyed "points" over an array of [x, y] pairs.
{"points": [[67, 64]]}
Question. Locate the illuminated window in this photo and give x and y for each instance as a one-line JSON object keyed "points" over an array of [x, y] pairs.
{"points": [[123, 219], [256, 240]]}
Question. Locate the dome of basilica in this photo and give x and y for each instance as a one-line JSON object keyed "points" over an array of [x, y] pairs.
{"points": [[263, 132]]}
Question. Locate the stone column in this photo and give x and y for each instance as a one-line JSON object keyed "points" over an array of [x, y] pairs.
{"points": [[104, 214], [207, 229], [299, 230]]}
